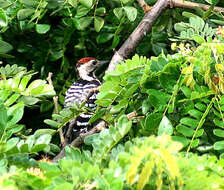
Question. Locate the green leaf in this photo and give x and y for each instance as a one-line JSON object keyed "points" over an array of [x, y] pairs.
{"points": [[82, 11], [212, 2], [184, 141], [152, 121], [180, 26], [219, 145], [73, 153], [97, 115], [195, 113], [65, 185], [42, 28], [189, 122], [123, 125], [104, 37], [55, 55], [38, 147], [23, 14], [165, 127], [115, 42], [83, 22], [117, 108], [87, 3], [188, 14], [30, 3], [12, 99], [43, 139], [12, 143], [24, 82], [3, 18], [16, 114], [186, 131], [98, 23], [73, 3], [219, 123], [29, 100], [125, 1], [118, 12], [131, 90], [3, 119], [5, 47], [52, 123], [218, 132], [131, 13], [4, 4], [197, 38], [157, 64], [145, 106], [158, 98], [100, 11], [24, 148]]}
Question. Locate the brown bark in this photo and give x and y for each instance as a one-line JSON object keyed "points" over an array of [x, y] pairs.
{"points": [[139, 33], [146, 24], [191, 5], [144, 5]]}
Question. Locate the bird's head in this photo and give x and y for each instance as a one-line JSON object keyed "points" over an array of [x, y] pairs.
{"points": [[88, 65]]}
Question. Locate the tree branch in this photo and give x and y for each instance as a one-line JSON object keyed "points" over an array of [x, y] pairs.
{"points": [[80, 139], [144, 5], [191, 5], [146, 24], [139, 33]]}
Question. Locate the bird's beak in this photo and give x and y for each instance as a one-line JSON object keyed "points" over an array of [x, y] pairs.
{"points": [[103, 62]]}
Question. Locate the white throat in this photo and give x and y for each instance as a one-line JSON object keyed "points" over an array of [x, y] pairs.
{"points": [[85, 75]]}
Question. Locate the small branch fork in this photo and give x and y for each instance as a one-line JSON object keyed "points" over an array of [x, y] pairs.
{"points": [[151, 15]]}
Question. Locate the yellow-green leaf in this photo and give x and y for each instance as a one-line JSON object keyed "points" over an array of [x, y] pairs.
{"points": [[145, 175], [98, 23]]}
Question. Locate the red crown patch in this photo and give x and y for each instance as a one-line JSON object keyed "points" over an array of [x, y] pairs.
{"points": [[84, 60]]}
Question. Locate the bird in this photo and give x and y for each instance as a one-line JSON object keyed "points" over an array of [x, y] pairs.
{"points": [[79, 91]]}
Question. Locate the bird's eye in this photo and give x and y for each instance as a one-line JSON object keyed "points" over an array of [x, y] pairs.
{"points": [[94, 62]]}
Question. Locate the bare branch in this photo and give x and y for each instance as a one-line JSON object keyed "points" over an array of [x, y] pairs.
{"points": [[144, 5], [139, 33], [146, 24], [191, 5], [49, 80]]}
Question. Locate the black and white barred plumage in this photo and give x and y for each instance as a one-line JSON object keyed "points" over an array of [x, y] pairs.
{"points": [[78, 93]]}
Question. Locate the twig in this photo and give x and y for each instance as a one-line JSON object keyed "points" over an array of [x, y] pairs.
{"points": [[55, 100], [191, 5], [80, 139], [50, 74], [144, 5]]}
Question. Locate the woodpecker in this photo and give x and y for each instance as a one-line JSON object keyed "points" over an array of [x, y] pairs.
{"points": [[79, 91]]}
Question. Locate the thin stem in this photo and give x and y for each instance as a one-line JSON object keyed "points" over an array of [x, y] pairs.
{"points": [[202, 120]]}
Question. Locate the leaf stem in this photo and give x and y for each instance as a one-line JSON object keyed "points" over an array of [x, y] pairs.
{"points": [[202, 120]]}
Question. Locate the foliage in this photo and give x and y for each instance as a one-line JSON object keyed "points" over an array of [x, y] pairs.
{"points": [[16, 92], [134, 167], [174, 141]]}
